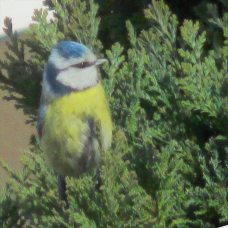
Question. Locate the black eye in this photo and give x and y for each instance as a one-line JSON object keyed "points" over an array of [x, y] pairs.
{"points": [[83, 65]]}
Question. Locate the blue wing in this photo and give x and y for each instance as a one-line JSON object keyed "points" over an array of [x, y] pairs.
{"points": [[40, 119]]}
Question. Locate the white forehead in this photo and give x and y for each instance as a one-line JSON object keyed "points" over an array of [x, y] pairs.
{"points": [[62, 62]]}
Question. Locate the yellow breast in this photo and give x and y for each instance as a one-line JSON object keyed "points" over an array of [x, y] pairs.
{"points": [[65, 126]]}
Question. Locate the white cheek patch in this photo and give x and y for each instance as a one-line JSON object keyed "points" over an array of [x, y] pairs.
{"points": [[78, 79]]}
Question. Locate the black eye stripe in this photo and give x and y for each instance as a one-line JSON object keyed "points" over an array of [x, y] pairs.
{"points": [[79, 65], [83, 65]]}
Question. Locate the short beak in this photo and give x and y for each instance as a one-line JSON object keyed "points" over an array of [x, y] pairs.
{"points": [[100, 61]]}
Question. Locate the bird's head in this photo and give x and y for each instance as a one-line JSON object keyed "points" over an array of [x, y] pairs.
{"points": [[71, 67]]}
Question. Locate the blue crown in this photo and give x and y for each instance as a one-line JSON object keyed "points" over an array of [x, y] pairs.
{"points": [[69, 49]]}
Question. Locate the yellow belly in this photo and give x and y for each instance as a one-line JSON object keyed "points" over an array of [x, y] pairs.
{"points": [[66, 127]]}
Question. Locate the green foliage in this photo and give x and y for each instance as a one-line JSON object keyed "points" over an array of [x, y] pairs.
{"points": [[168, 95]]}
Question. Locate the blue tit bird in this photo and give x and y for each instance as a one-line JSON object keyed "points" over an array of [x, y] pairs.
{"points": [[74, 121]]}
